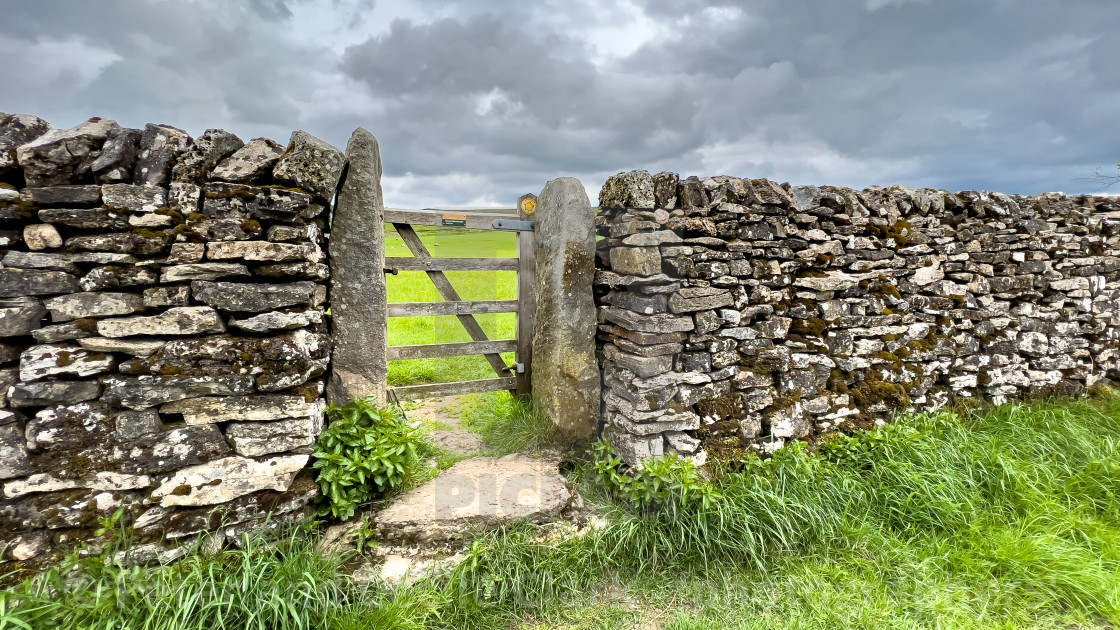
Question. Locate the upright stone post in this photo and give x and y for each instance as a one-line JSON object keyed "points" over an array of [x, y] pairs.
{"points": [[358, 296], [565, 372]]}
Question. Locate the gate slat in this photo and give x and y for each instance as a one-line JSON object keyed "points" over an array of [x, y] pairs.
{"points": [[418, 392], [441, 350], [435, 309], [474, 220], [451, 264], [451, 295]]}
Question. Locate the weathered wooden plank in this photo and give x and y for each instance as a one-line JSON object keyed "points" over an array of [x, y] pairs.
{"points": [[474, 220], [435, 390], [451, 264], [436, 309], [441, 350], [443, 285], [527, 308]]}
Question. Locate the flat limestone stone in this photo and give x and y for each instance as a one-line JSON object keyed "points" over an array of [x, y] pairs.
{"points": [[61, 360], [269, 322], [253, 298], [117, 276], [44, 393], [238, 201], [202, 271], [86, 218], [36, 260], [263, 251], [134, 198], [254, 439], [87, 195], [102, 481], [21, 282], [77, 329], [484, 491], [243, 408], [142, 392], [172, 450], [135, 347], [225, 479], [78, 305], [182, 320]]}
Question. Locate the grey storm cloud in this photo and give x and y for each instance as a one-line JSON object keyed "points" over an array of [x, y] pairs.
{"points": [[475, 102]]}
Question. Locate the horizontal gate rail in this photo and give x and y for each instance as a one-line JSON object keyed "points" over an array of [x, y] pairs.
{"points": [[467, 219], [451, 264], [418, 392], [441, 350], [435, 309]]}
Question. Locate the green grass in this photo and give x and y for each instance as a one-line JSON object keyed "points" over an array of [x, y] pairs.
{"points": [[414, 286], [508, 425], [1004, 519]]}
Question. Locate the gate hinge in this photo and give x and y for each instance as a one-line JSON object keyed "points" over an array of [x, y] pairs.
{"points": [[512, 225]]}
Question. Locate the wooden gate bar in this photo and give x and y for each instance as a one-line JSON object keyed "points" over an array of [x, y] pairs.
{"points": [[418, 392], [451, 295], [441, 350], [435, 309], [473, 220], [451, 264]]}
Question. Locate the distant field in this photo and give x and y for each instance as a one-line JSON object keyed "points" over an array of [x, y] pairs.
{"points": [[414, 286]]}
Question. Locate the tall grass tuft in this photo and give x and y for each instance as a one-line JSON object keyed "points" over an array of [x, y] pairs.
{"points": [[509, 425], [266, 584]]}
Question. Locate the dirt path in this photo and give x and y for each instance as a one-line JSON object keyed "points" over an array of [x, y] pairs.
{"points": [[440, 419]]}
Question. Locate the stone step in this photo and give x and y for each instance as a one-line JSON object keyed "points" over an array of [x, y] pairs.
{"points": [[485, 492]]}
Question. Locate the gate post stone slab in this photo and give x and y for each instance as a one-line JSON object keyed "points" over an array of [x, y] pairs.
{"points": [[358, 293], [565, 371]]}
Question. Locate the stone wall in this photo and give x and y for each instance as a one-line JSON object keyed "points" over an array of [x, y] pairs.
{"points": [[738, 314], [162, 333]]}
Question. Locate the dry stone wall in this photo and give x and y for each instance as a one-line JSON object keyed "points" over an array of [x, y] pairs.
{"points": [[738, 314], [162, 334]]}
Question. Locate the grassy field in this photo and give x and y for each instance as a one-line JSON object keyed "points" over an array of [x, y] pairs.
{"points": [[414, 286], [1008, 518]]}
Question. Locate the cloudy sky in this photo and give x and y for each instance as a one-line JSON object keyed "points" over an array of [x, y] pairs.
{"points": [[478, 101]]}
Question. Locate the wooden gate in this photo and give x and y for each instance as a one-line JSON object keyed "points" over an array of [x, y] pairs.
{"points": [[516, 377]]}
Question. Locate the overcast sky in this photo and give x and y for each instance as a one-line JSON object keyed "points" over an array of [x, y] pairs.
{"points": [[476, 102]]}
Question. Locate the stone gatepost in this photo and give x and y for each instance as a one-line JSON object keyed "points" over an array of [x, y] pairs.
{"points": [[358, 293], [566, 382]]}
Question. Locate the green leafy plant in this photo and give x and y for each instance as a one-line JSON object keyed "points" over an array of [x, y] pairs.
{"points": [[668, 482], [364, 453]]}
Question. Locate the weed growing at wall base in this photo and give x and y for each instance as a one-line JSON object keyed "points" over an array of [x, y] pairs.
{"points": [[365, 452]]}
